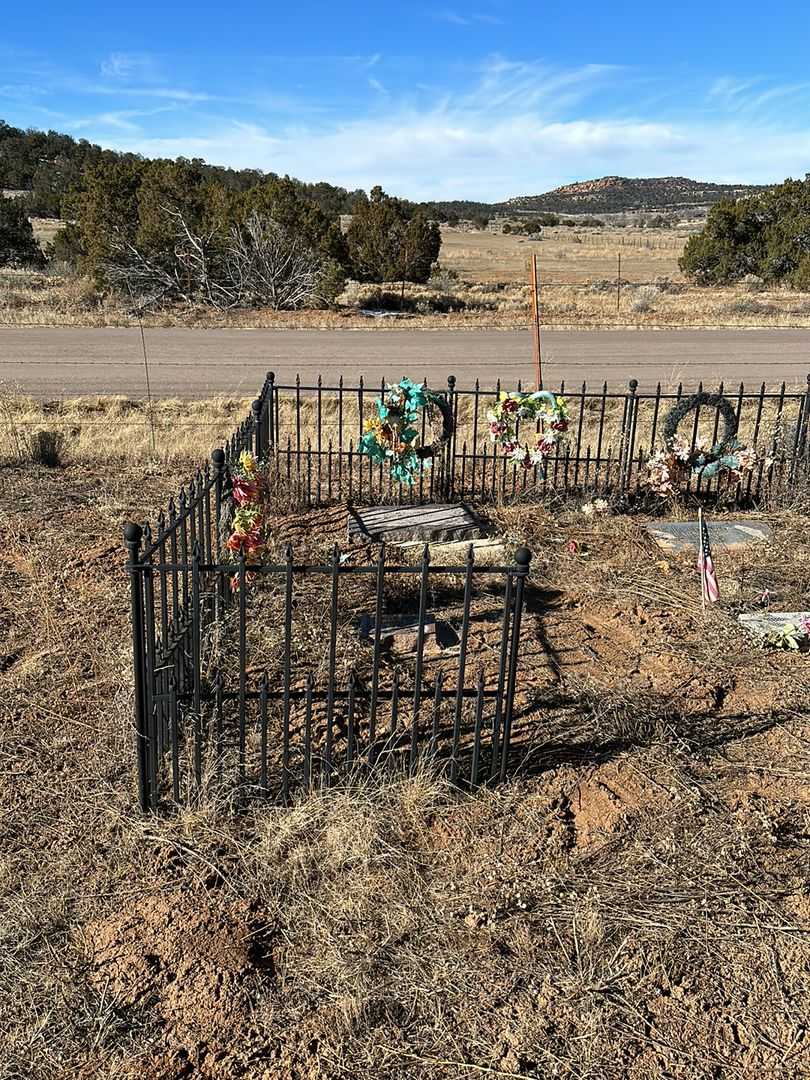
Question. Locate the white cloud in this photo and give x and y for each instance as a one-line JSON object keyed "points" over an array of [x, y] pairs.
{"points": [[467, 18], [21, 91], [756, 94], [126, 66], [117, 120], [173, 93]]}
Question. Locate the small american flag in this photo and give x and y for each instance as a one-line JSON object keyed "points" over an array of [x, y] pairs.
{"points": [[708, 578]]}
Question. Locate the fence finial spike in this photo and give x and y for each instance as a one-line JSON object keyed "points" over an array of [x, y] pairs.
{"points": [[218, 457]]}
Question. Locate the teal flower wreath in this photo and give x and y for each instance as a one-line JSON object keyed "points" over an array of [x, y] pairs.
{"points": [[392, 436]]}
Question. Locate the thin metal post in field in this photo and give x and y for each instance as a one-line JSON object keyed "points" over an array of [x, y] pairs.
{"points": [[535, 294]]}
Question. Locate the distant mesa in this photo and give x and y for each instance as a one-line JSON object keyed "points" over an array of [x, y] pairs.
{"points": [[624, 194]]}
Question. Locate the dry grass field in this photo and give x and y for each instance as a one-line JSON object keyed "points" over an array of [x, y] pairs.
{"points": [[486, 286], [99, 430], [636, 906], [565, 254]]}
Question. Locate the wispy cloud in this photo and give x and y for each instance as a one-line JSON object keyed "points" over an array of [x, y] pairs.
{"points": [[735, 95], [519, 85], [125, 120], [466, 18], [21, 91], [171, 93], [126, 66]]}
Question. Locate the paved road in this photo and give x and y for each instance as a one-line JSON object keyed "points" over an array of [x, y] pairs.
{"points": [[52, 362]]}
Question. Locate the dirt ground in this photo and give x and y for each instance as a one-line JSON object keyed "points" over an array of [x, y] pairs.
{"points": [[635, 905]]}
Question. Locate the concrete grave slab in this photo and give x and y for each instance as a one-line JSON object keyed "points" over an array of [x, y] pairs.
{"points": [[685, 535], [454, 521], [761, 623], [488, 550]]}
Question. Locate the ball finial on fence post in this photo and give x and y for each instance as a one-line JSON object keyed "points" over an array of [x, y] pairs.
{"points": [[523, 557], [133, 534]]}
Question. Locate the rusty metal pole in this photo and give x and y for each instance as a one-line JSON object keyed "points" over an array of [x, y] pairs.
{"points": [[538, 370]]}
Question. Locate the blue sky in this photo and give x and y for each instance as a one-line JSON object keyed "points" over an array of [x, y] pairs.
{"points": [[482, 102]]}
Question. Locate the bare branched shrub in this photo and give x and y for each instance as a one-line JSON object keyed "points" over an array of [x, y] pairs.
{"points": [[42, 447], [260, 263], [270, 266]]}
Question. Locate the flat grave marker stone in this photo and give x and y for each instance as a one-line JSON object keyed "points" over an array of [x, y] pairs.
{"points": [[685, 535], [453, 521], [399, 634]]}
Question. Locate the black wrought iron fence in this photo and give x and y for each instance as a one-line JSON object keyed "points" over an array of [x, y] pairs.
{"points": [[255, 678], [232, 687], [312, 432]]}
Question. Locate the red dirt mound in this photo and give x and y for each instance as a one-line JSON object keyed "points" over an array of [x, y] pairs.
{"points": [[197, 967]]}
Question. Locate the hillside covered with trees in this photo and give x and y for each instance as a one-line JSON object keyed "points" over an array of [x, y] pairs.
{"points": [[163, 231], [49, 166]]}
